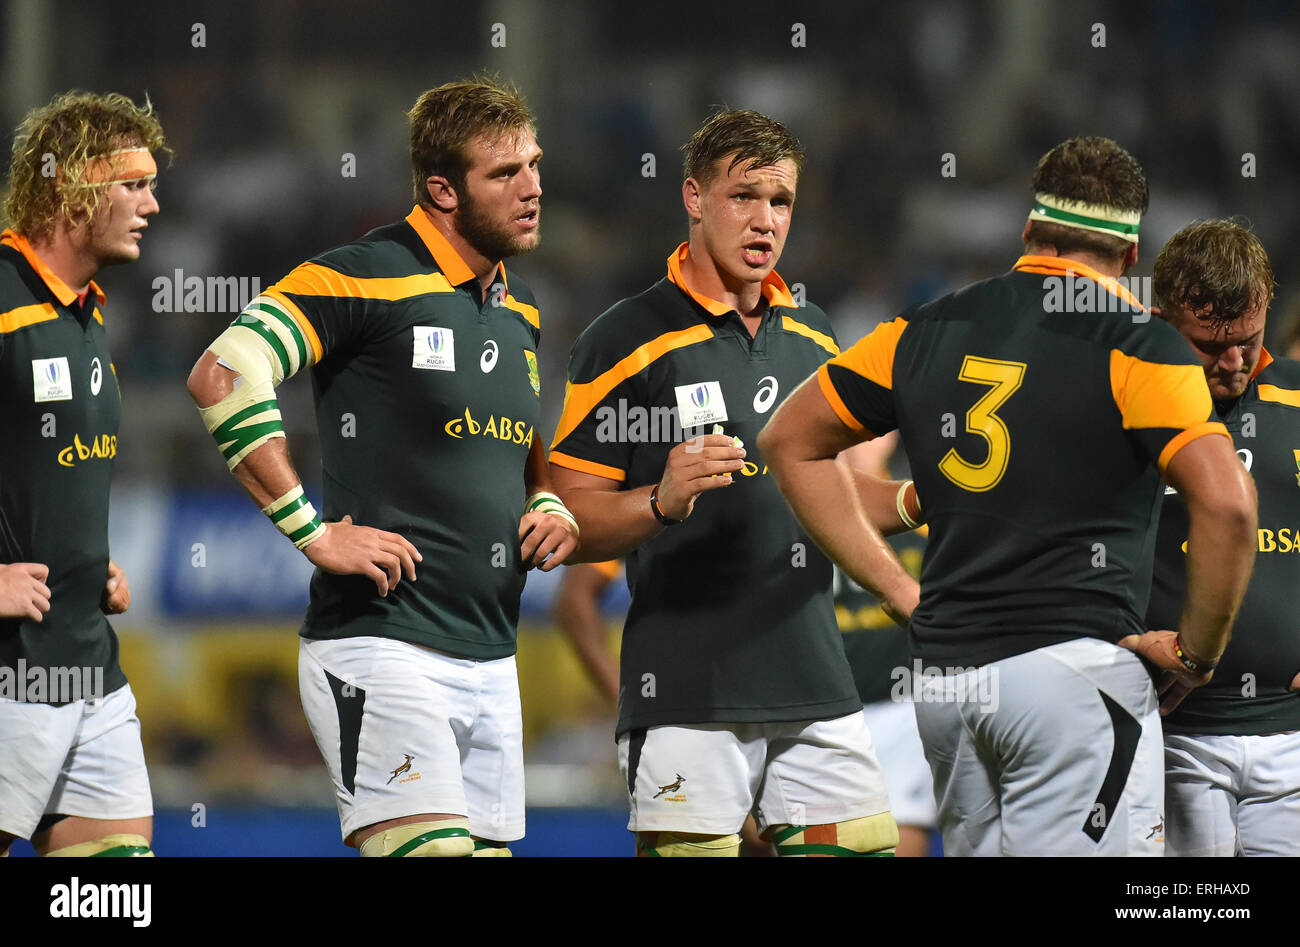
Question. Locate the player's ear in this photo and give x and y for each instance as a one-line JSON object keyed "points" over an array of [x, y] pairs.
{"points": [[441, 193], [1131, 256], [1024, 234], [692, 194]]}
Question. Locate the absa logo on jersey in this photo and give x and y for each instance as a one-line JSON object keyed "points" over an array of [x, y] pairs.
{"points": [[498, 426], [767, 388], [103, 447]]}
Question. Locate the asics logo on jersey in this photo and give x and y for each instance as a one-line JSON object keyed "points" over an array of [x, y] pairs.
{"points": [[767, 388], [103, 447], [488, 361], [671, 787], [96, 375], [405, 767]]}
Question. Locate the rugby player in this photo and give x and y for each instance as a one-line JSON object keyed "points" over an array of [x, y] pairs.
{"points": [[72, 769], [1232, 747], [424, 368], [1042, 732], [735, 694]]}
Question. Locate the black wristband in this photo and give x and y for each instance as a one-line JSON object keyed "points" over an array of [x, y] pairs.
{"points": [[1193, 664], [659, 514]]}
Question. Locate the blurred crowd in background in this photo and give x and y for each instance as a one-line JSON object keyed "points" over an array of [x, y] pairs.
{"points": [[922, 123]]}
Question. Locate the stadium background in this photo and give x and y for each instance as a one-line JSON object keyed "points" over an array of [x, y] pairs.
{"points": [[287, 119]]}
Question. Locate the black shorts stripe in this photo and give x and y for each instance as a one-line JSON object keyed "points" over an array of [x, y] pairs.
{"points": [[1127, 732], [636, 740], [350, 701]]}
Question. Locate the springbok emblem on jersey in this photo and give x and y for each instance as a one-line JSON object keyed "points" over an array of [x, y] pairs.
{"points": [[404, 768], [671, 787], [1297, 465]]}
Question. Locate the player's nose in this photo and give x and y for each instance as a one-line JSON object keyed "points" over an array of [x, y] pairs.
{"points": [[1231, 360]]}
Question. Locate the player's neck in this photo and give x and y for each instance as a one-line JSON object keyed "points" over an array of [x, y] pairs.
{"points": [[61, 253], [484, 270], [704, 276], [1104, 266]]}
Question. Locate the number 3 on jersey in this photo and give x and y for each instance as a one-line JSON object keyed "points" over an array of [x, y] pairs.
{"points": [[1004, 377]]}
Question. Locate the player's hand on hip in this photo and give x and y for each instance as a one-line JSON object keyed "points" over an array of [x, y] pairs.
{"points": [[23, 592], [1176, 682], [117, 593], [702, 463], [380, 556], [1295, 683], [900, 603], [545, 540]]}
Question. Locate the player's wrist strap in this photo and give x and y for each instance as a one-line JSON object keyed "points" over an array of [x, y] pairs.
{"points": [[543, 502], [659, 513], [1190, 661], [294, 516], [900, 501]]}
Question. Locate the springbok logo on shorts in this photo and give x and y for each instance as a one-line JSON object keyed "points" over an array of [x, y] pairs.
{"points": [[675, 787], [404, 768], [1157, 831]]}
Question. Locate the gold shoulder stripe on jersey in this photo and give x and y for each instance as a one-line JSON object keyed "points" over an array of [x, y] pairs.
{"points": [[15, 319], [1285, 396], [873, 356], [1154, 394], [313, 279], [579, 400], [821, 338], [528, 312]]}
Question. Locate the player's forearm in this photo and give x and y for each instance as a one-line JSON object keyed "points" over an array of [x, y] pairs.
{"points": [[613, 522], [1221, 544], [537, 472], [824, 497], [266, 472], [879, 500]]}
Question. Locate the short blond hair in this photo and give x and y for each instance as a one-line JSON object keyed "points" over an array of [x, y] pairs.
{"points": [[71, 131], [445, 120]]}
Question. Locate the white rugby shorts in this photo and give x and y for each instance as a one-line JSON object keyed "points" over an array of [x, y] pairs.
{"points": [[82, 758], [407, 730], [706, 778]]}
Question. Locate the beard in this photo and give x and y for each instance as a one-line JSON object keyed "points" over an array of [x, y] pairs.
{"points": [[491, 239]]}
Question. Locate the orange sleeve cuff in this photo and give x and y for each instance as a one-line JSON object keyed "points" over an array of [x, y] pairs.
{"points": [[836, 402], [1186, 437]]}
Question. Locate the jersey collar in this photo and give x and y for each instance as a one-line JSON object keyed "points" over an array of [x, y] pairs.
{"points": [[1265, 360], [774, 289], [449, 261], [65, 294], [1061, 266]]}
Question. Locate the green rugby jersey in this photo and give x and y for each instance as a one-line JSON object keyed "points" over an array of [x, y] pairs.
{"points": [[731, 617], [1036, 439], [1250, 691], [873, 642], [427, 396], [59, 435]]}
